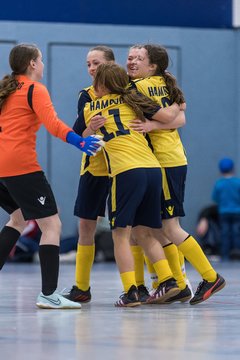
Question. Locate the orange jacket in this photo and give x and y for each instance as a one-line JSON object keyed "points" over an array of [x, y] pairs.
{"points": [[19, 125]]}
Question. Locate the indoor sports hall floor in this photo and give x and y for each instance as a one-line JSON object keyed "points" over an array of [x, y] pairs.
{"points": [[210, 330]]}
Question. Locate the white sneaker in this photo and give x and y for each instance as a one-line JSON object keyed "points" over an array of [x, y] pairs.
{"points": [[56, 301]]}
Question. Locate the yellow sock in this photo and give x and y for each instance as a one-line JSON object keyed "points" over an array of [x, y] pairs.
{"points": [[84, 262], [163, 270], [152, 272], [138, 264], [194, 254], [171, 253], [182, 263], [128, 279]]}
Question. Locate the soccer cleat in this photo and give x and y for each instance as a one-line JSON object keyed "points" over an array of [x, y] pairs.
{"points": [[55, 301], [206, 289], [143, 294], [129, 299], [183, 296], [164, 291], [78, 295]]}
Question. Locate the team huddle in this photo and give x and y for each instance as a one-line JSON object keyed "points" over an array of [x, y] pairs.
{"points": [[128, 120]]}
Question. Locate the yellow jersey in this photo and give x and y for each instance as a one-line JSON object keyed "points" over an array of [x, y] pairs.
{"points": [[96, 165], [125, 149], [166, 144]]}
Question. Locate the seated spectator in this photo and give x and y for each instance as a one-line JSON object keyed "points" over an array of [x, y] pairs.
{"points": [[27, 244], [207, 230], [103, 244]]}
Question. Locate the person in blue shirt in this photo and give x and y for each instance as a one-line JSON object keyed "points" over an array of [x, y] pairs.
{"points": [[226, 194]]}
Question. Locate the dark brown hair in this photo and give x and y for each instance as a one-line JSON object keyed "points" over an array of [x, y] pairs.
{"points": [[115, 79], [19, 59], [158, 55], [108, 53]]}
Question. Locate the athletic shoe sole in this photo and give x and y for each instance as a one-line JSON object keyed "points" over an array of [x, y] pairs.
{"points": [[50, 307], [162, 299], [128, 305], [184, 299]]}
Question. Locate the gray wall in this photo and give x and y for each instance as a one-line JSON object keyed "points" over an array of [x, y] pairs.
{"points": [[206, 63]]}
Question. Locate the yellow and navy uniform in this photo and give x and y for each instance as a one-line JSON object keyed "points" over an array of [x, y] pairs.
{"points": [[168, 149], [125, 151], [167, 145], [95, 165], [120, 139], [94, 181]]}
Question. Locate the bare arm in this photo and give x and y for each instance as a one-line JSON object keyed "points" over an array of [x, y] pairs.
{"points": [[95, 123], [150, 125], [168, 114], [178, 122]]}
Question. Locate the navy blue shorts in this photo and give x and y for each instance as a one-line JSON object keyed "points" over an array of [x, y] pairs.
{"points": [[29, 192], [135, 198], [173, 180], [92, 196]]}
